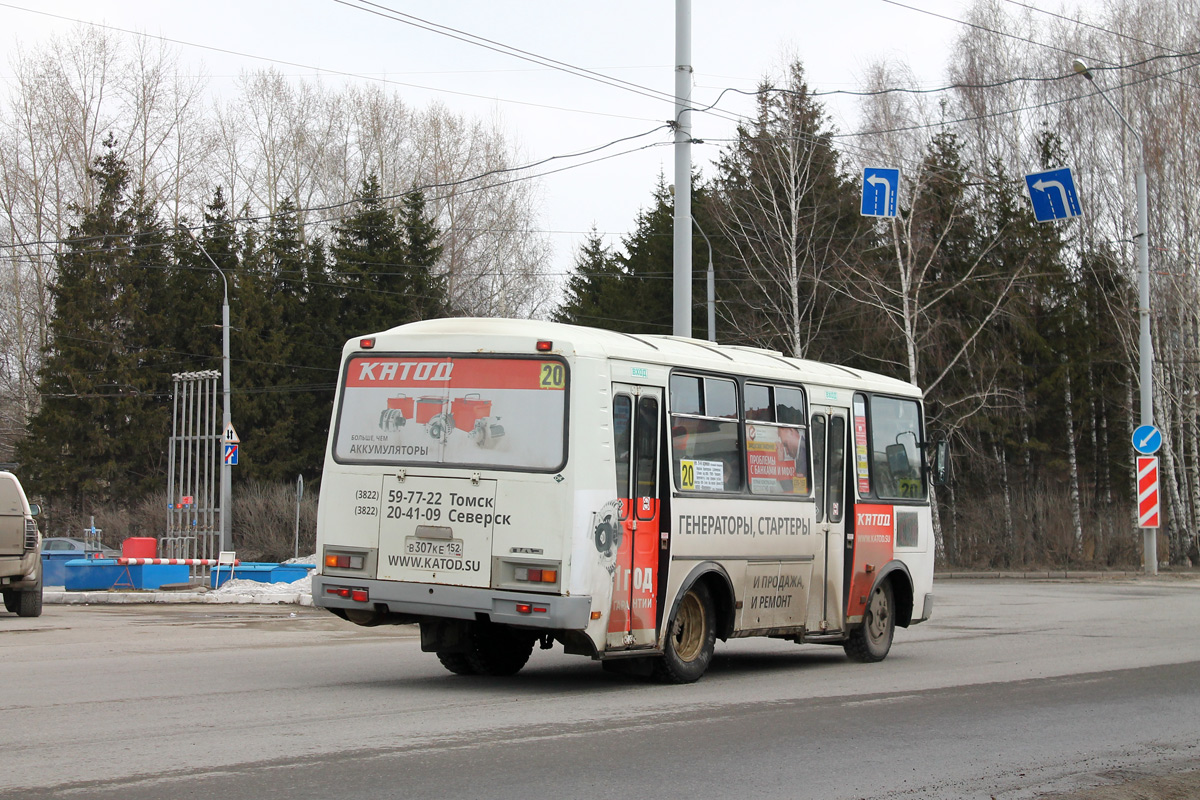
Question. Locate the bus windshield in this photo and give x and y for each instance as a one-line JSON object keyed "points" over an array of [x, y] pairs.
{"points": [[453, 411]]}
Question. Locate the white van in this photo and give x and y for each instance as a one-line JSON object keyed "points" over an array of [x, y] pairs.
{"points": [[20, 550]]}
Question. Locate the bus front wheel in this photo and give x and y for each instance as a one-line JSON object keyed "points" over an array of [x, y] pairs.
{"points": [[691, 638], [872, 641]]}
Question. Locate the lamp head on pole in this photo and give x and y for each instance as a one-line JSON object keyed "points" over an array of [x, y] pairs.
{"points": [[1082, 69]]}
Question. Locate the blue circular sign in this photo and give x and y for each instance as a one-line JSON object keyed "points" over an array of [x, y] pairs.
{"points": [[1147, 439]]}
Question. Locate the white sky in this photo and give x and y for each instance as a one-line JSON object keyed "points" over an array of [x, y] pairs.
{"points": [[546, 112]]}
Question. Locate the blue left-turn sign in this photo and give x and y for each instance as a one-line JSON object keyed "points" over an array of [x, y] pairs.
{"points": [[880, 187], [1147, 439], [1053, 195]]}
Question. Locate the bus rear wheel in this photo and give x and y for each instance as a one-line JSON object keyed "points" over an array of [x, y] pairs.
{"points": [[872, 641], [456, 663], [491, 649], [691, 638]]}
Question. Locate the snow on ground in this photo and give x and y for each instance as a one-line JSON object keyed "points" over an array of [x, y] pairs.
{"points": [[239, 586], [258, 589]]}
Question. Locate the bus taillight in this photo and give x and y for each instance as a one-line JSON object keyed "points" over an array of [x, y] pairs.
{"points": [[343, 561], [536, 575]]}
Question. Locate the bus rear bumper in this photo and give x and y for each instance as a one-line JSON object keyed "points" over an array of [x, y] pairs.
{"points": [[423, 600]]}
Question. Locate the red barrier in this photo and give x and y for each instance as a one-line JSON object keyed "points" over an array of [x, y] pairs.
{"points": [[191, 562]]}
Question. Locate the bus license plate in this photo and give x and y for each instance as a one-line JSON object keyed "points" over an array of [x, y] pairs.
{"points": [[433, 547]]}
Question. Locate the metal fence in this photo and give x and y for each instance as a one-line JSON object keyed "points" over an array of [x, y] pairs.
{"points": [[193, 481]]}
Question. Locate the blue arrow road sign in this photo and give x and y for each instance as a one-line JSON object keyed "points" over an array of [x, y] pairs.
{"points": [[231, 454], [1053, 195], [880, 187], [1147, 439]]}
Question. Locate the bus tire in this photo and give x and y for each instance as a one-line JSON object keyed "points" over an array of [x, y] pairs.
{"points": [[29, 602], [498, 651], [456, 663], [873, 639], [690, 640]]}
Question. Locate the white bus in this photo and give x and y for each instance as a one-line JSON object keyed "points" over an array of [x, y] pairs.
{"points": [[633, 497]]}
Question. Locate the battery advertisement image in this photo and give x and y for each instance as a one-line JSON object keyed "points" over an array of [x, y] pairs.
{"points": [[492, 411]]}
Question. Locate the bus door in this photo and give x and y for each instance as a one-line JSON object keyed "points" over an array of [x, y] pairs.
{"points": [[829, 427], [636, 420]]}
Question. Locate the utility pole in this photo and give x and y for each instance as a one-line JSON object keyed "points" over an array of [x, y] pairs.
{"points": [[682, 306], [1145, 346]]}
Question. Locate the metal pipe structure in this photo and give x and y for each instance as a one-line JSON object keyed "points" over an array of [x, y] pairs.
{"points": [[226, 469], [1145, 346]]}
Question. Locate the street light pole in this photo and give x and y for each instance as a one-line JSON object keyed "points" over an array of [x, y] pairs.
{"points": [[1145, 347], [712, 313], [226, 469]]}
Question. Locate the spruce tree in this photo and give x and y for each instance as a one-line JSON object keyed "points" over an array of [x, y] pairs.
{"points": [[384, 265], [423, 291], [633, 291], [595, 291], [276, 385], [649, 266], [100, 435]]}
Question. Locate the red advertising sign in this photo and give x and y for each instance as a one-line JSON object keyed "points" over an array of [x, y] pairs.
{"points": [[874, 546]]}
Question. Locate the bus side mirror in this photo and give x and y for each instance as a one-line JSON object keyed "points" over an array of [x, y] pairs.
{"points": [[939, 470]]}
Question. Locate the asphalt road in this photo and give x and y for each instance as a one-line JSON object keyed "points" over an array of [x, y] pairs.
{"points": [[1013, 690]]}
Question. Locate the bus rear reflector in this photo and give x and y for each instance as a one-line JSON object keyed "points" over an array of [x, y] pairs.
{"points": [[357, 595], [529, 608]]}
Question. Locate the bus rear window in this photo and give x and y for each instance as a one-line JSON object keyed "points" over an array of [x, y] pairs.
{"points": [[453, 411]]}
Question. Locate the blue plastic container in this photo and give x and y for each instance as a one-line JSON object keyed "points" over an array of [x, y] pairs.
{"points": [[261, 571], [98, 574], [287, 573], [54, 568]]}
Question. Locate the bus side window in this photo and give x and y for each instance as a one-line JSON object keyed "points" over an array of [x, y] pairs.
{"points": [[622, 431], [837, 467], [818, 446], [706, 434], [647, 455]]}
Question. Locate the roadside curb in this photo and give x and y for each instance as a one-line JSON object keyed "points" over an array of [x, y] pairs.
{"points": [[134, 598], [1059, 574]]}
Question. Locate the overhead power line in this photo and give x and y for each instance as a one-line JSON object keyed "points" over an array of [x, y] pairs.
{"points": [[320, 70], [524, 55], [1094, 27]]}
